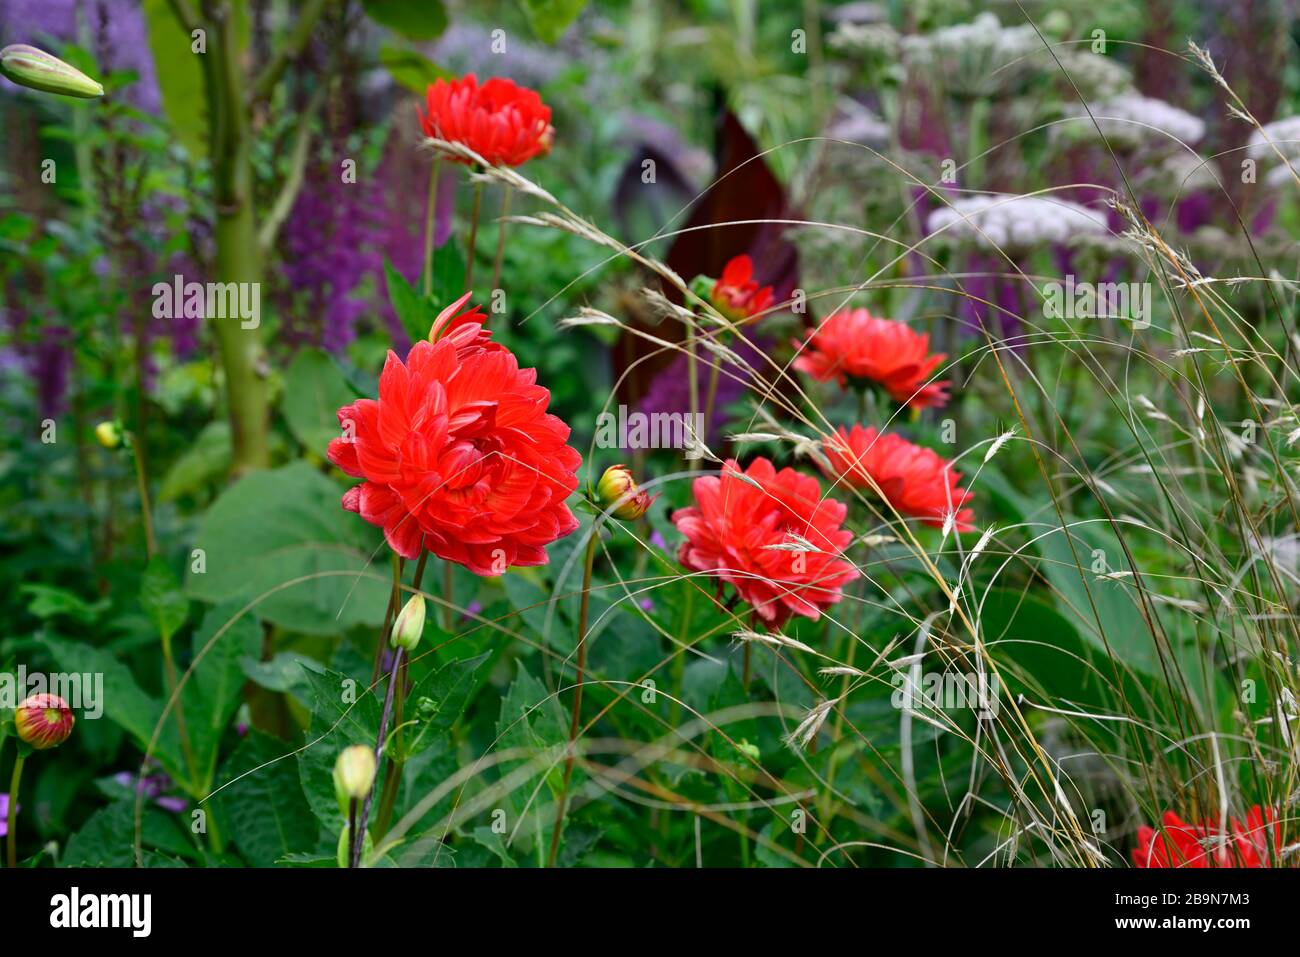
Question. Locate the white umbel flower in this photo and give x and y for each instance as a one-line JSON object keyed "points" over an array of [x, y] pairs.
{"points": [[1136, 119], [1007, 221]]}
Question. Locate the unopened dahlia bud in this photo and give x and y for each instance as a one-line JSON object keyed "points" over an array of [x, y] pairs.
{"points": [[43, 721], [30, 67], [354, 773], [618, 486], [409, 625], [108, 434]]}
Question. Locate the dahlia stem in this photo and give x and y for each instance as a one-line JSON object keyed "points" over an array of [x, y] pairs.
{"points": [[501, 239], [393, 775], [473, 237], [394, 598], [358, 835], [11, 842], [169, 668], [352, 827], [576, 718], [142, 484], [430, 216], [448, 587]]}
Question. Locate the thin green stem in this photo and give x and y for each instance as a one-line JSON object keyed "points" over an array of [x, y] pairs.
{"points": [[11, 839], [393, 776], [501, 239], [430, 216], [473, 237], [576, 717], [142, 484], [169, 667]]}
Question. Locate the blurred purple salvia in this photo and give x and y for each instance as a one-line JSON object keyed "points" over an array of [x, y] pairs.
{"points": [[4, 814]]}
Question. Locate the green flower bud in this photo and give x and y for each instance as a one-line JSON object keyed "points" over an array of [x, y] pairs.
{"points": [[354, 773], [409, 626], [30, 67], [109, 434]]}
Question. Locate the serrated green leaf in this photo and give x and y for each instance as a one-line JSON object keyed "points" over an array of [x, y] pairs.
{"points": [[281, 536], [314, 389], [424, 20], [264, 808]]}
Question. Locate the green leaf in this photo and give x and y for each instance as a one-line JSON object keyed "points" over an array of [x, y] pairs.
{"points": [[269, 533], [550, 18], [124, 702], [212, 694], [532, 719], [424, 20], [413, 314], [343, 713], [205, 460], [449, 690], [49, 602], [180, 76], [162, 598], [107, 839], [411, 69], [264, 808], [314, 390]]}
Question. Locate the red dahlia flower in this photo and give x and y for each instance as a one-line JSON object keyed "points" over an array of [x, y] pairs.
{"points": [[501, 122], [43, 721], [1180, 844], [853, 344], [736, 295], [733, 525], [459, 454], [912, 478]]}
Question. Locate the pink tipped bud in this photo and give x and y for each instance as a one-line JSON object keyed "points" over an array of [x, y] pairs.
{"points": [[43, 721], [617, 488]]}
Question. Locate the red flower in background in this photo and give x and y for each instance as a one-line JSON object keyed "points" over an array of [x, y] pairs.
{"points": [[732, 525], [504, 123], [1179, 844], [914, 479], [459, 453], [736, 295], [853, 344]]}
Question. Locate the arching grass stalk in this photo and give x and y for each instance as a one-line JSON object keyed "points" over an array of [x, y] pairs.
{"points": [[575, 720]]}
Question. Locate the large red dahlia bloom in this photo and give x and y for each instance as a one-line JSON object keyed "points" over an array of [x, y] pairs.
{"points": [[459, 453], [736, 295], [915, 480], [504, 123], [853, 344], [735, 522], [1179, 844]]}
